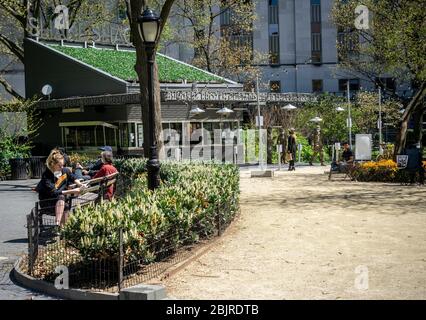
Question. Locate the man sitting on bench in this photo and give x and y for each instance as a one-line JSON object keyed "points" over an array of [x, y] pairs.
{"points": [[347, 159]]}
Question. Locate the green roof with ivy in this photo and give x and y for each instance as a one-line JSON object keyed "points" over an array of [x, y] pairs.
{"points": [[120, 64]]}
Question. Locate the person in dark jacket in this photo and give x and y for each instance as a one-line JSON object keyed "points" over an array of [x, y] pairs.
{"points": [[53, 186], [291, 149], [415, 163]]}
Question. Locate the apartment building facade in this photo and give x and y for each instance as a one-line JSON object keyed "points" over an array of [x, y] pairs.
{"points": [[299, 39]]}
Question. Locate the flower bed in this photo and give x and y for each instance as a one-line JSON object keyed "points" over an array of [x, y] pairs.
{"points": [[184, 209], [380, 171]]}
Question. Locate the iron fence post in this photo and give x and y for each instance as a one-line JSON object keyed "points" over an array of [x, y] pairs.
{"points": [[69, 199], [219, 227], [30, 243], [101, 194], [36, 223], [120, 260]]}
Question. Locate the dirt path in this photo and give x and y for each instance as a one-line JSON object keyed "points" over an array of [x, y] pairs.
{"points": [[308, 244]]}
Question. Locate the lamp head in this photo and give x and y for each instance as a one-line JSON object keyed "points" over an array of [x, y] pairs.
{"points": [[289, 107], [149, 23]]}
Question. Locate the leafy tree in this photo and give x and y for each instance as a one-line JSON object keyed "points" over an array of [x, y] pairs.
{"points": [[394, 44], [19, 122], [364, 114], [134, 10], [24, 18], [221, 48]]}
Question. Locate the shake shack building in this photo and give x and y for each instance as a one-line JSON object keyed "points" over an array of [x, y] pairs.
{"points": [[94, 99]]}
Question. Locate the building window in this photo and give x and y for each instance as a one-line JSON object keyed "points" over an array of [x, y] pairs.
{"points": [[275, 86], [80, 137], [274, 49], [316, 47], [140, 135], [273, 12], [317, 86], [127, 135], [388, 83], [316, 42], [274, 35], [316, 13], [348, 42], [240, 39], [353, 85], [225, 17]]}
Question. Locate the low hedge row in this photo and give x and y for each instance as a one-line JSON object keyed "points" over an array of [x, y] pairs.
{"points": [[185, 208]]}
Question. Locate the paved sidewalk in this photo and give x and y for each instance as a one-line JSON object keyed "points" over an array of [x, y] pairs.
{"points": [[301, 236], [16, 201]]}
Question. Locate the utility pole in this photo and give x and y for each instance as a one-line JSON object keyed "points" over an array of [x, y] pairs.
{"points": [[259, 123], [380, 122], [349, 114]]}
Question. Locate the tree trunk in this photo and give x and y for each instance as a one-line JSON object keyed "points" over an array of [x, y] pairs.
{"points": [[134, 9], [269, 146], [418, 126], [417, 102]]}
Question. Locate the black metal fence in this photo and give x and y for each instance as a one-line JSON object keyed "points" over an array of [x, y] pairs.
{"points": [[50, 254]]}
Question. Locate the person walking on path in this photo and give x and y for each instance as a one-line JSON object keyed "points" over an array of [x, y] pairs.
{"points": [[317, 147], [291, 149]]}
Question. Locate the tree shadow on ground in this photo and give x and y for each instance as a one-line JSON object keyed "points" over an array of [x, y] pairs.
{"points": [[314, 191]]}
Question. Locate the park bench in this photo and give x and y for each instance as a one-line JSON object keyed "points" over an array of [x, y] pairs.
{"points": [[93, 192], [346, 174], [363, 153]]}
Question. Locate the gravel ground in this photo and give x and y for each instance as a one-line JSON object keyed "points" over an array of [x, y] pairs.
{"points": [[300, 236]]}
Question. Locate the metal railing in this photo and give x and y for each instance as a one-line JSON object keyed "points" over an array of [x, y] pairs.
{"points": [[49, 252]]}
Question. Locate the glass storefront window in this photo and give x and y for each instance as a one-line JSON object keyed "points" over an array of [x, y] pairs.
{"points": [[87, 137], [99, 136], [178, 128], [132, 135], [140, 135], [208, 128], [110, 137], [127, 135]]}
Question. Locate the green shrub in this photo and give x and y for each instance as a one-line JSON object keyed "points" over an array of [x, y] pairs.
{"points": [[181, 211]]}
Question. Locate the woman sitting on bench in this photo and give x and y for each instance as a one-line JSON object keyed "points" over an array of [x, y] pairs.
{"points": [[53, 185]]}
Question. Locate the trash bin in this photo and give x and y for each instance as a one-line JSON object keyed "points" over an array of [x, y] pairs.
{"points": [[18, 168], [37, 165]]}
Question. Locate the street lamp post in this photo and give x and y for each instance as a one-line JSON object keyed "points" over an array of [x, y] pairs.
{"points": [[224, 111], [259, 121], [150, 29]]}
